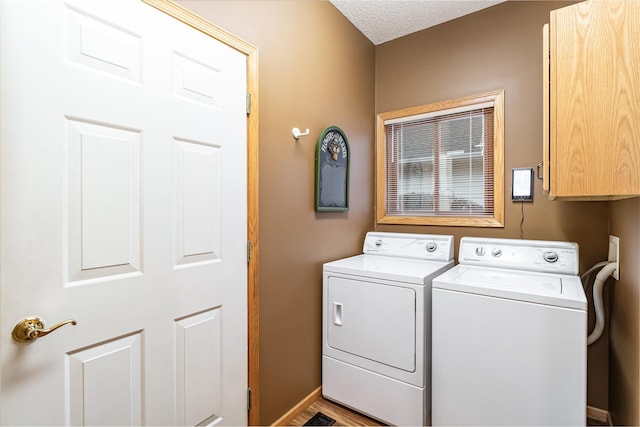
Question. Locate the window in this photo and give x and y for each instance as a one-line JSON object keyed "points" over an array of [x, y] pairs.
{"points": [[442, 163]]}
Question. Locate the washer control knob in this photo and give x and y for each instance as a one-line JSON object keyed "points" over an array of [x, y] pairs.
{"points": [[496, 252], [550, 256], [480, 251], [378, 243], [431, 246]]}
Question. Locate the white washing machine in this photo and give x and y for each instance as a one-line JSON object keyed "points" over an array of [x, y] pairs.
{"points": [[509, 336], [376, 326]]}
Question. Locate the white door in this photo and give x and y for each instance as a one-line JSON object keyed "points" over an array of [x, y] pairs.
{"points": [[123, 207]]}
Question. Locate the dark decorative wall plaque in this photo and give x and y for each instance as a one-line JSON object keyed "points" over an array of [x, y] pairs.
{"points": [[332, 170]]}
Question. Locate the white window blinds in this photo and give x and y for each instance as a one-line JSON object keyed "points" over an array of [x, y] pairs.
{"points": [[441, 163]]}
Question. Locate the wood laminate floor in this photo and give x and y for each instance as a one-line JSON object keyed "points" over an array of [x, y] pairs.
{"points": [[346, 417], [342, 415]]}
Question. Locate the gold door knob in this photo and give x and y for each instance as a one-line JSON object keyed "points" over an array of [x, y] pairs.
{"points": [[32, 328]]}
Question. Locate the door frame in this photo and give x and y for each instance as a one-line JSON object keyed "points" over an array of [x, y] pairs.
{"points": [[251, 52]]}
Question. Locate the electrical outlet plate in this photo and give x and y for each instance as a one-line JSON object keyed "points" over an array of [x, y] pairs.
{"points": [[614, 255]]}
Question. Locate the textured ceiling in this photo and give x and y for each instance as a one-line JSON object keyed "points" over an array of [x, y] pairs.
{"points": [[384, 20]]}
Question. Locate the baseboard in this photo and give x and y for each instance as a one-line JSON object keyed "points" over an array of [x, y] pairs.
{"points": [[600, 415], [286, 419]]}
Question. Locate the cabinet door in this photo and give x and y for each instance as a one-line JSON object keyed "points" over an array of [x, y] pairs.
{"points": [[545, 109], [595, 100]]}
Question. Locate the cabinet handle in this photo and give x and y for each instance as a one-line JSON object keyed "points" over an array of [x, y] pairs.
{"points": [[538, 167]]}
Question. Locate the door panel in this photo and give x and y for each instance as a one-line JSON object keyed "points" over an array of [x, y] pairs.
{"points": [[123, 206], [198, 201], [372, 320], [198, 364], [104, 200], [105, 383], [103, 46]]}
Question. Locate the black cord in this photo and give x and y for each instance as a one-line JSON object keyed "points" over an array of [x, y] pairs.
{"points": [[522, 220]]}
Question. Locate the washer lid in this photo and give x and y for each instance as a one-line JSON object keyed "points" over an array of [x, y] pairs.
{"points": [[529, 283], [551, 289], [389, 268]]}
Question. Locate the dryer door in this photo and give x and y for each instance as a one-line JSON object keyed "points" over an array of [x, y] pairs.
{"points": [[373, 321]]}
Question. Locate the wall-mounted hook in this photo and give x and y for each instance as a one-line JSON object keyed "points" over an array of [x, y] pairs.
{"points": [[297, 134]]}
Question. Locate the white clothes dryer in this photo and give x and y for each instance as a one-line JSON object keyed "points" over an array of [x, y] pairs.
{"points": [[376, 326], [509, 336]]}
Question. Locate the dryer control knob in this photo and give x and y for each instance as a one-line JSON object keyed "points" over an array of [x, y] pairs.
{"points": [[431, 246], [480, 251], [550, 257], [378, 243], [496, 252]]}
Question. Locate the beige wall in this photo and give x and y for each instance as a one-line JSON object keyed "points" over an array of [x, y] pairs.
{"points": [[624, 364], [498, 48], [315, 70]]}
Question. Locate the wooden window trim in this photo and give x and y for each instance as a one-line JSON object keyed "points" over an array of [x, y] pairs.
{"points": [[497, 97]]}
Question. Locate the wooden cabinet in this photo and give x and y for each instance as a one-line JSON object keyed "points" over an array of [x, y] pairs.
{"points": [[592, 101]]}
